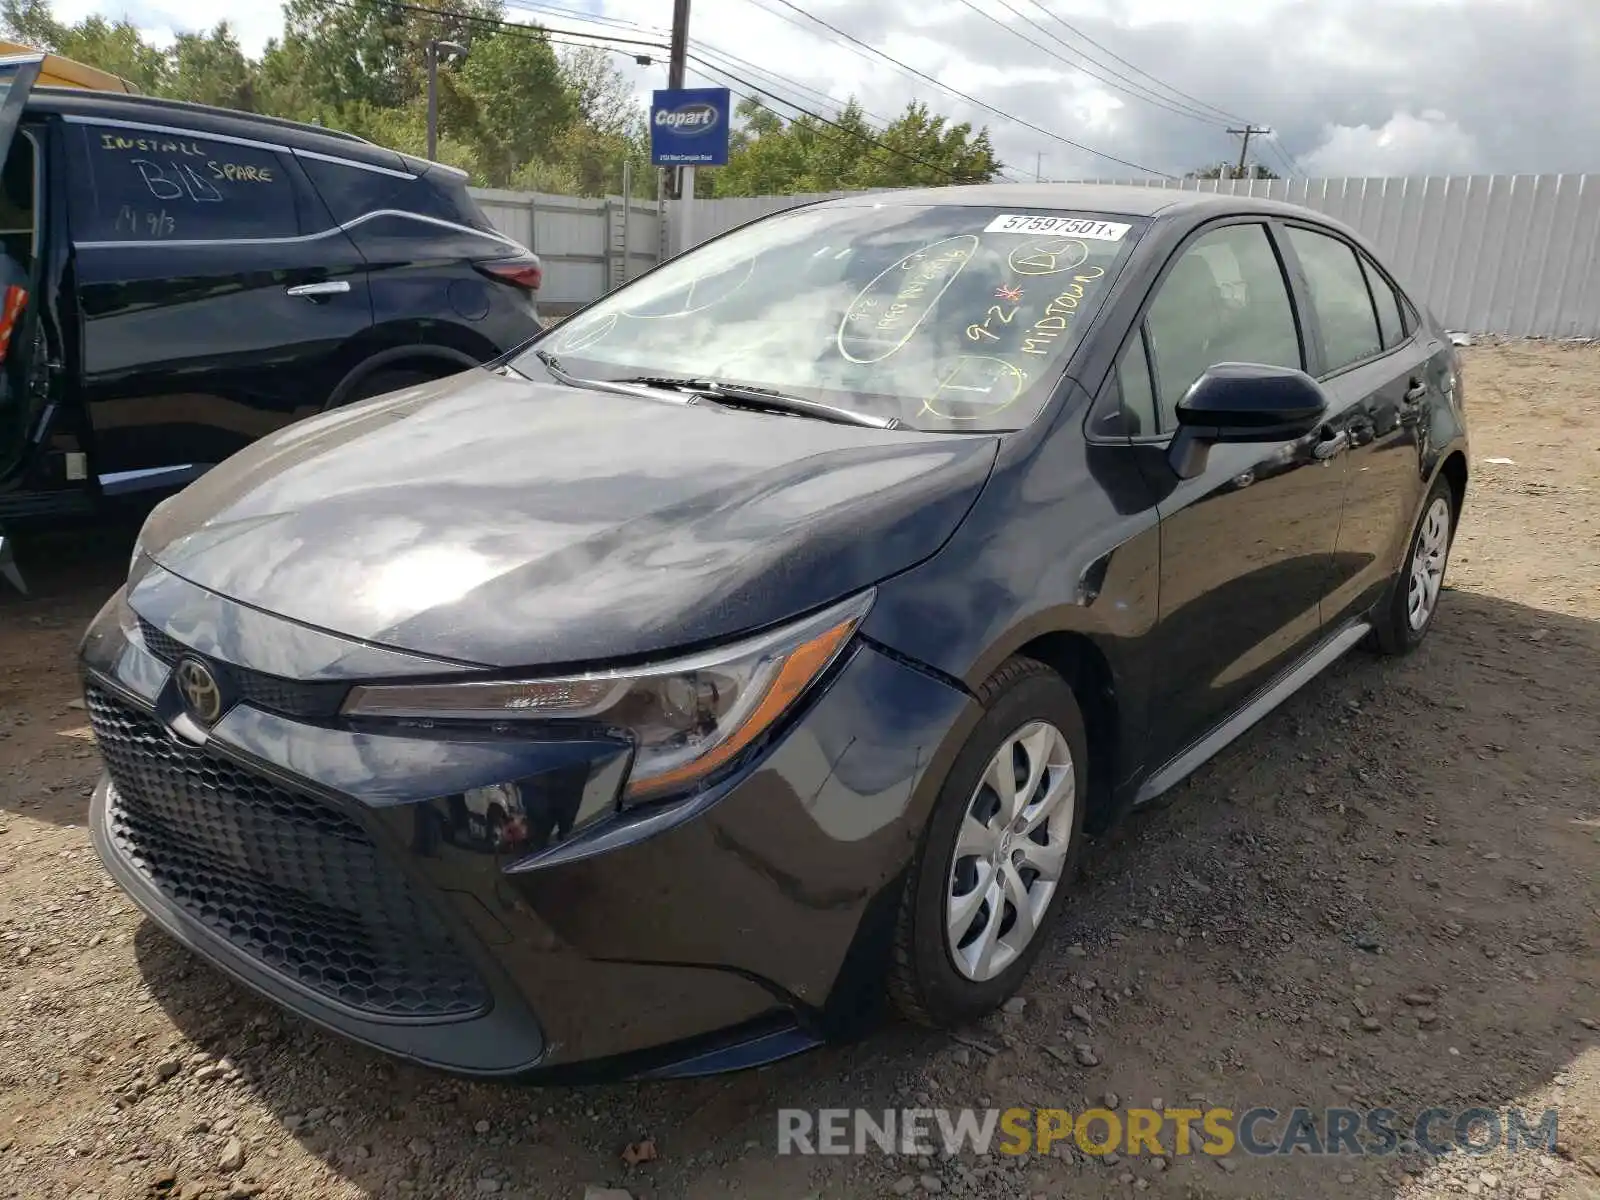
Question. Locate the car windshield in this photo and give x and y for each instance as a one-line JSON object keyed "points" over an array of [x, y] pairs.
{"points": [[945, 317]]}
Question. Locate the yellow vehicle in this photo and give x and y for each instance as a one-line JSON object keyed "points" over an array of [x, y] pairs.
{"points": [[55, 71]]}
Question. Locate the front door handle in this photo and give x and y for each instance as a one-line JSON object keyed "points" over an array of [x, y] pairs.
{"points": [[1331, 446], [315, 291], [1416, 392]]}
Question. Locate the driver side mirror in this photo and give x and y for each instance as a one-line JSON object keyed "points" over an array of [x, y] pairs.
{"points": [[1243, 402]]}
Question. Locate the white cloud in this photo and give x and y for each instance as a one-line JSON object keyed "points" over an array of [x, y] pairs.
{"points": [[1429, 144], [1349, 85]]}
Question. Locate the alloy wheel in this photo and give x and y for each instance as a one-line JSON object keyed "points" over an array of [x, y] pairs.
{"points": [[1010, 850], [1427, 564]]}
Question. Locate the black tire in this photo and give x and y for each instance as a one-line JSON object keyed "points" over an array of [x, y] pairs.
{"points": [[383, 381], [1393, 631], [924, 982]]}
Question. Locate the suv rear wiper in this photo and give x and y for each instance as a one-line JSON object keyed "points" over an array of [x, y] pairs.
{"points": [[765, 398]]}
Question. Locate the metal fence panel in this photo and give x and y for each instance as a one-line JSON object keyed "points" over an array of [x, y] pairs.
{"points": [[1509, 254], [1487, 253]]}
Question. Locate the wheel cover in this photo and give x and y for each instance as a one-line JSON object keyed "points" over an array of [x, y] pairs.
{"points": [[1010, 850], [1427, 564]]}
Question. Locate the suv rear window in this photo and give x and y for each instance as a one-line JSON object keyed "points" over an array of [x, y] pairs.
{"points": [[352, 192], [146, 186]]}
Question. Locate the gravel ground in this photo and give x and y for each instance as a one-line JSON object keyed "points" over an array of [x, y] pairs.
{"points": [[1385, 895]]}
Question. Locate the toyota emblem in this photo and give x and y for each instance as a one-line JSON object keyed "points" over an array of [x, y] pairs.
{"points": [[200, 691]]}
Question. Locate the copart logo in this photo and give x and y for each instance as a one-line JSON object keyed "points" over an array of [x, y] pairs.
{"points": [[696, 117]]}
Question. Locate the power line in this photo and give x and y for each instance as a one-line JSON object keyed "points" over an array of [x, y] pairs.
{"points": [[510, 28], [1136, 91], [859, 137], [542, 34], [705, 48], [972, 99], [733, 74], [1076, 32], [1275, 143], [716, 51], [1248, 132], [728, 74], [792, 84]]}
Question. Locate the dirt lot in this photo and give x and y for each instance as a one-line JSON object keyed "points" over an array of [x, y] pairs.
{"points": [[1386, 895]]}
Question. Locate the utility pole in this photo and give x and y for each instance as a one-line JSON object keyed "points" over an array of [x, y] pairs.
{"points": [[678, 59], [456, 50], [1247, 133]]}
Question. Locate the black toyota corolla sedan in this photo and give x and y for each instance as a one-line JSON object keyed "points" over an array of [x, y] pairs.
{"points": [[767, 638]]}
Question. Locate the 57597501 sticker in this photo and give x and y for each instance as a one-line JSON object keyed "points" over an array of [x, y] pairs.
{"points": [[1078, 227]]}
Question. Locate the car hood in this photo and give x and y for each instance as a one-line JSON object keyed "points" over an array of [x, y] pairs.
{"points": [[497, 521]]}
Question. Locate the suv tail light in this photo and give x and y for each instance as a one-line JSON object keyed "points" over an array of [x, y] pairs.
{"points": [[524, 272]]}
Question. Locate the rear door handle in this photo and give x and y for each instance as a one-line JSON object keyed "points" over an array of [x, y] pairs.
{"points": [[313, 291]]}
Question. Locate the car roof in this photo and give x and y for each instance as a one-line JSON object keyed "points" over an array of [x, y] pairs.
{"points": [[1130, 200], [222, 122]]}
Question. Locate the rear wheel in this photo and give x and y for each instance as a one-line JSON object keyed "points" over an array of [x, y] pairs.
{"points": [[998, 854], [1404, 621], [384, 381]]}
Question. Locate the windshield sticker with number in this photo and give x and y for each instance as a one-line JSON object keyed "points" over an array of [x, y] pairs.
{"points": [[1078, 227]]}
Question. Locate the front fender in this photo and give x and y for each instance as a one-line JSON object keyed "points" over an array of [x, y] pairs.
{"points": [[1064, 540]]}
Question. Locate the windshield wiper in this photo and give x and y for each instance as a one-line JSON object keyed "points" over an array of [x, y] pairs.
{"points": [[766, 398], [621, 387]]}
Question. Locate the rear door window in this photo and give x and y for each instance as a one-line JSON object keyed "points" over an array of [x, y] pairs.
{"points": [[143, 185], [1339, 295], [1390, 324]]}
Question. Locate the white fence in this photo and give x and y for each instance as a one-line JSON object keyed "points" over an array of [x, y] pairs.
{"points": [[712, 217], [1509, 254], [580, 241]]}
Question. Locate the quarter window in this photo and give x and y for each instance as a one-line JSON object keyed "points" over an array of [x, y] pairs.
{"points": [[1339, 295], [1138, 391], [1390, 324], [1225, 300], [145, 186]]}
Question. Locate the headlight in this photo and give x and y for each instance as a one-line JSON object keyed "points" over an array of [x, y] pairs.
{"points": [[686, 717]]}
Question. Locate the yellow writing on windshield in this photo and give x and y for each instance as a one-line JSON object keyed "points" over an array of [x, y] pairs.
{"points": [[884, 314], [1039, 337]]}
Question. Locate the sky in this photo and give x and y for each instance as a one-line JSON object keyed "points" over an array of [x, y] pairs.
{"points": [[1348, 87]]}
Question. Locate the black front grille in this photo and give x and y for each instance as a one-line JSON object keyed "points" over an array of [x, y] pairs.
{"points": [[167, 649], [288, 697], [289, 880]]}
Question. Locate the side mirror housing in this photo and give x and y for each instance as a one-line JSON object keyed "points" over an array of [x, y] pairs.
{"points": [[1244, 402]]}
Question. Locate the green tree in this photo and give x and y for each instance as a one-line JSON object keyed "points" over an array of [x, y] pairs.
{"points": [[519, 101], [210, 68], [767, 155], [1231, 171], [333, 52], [117, 47], [603, 97], [512, 113]]}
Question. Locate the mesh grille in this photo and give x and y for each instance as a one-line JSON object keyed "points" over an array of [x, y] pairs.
{"points": [[287, 879], [163, 647], [288, 697]]}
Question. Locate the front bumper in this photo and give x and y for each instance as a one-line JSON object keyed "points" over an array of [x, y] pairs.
{"points": [[359, 877]]}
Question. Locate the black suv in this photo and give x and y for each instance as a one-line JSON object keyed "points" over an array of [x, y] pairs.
{"points": [[179, 280]]}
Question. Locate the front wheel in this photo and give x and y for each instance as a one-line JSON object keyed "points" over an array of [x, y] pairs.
{"points": [[1404, 621], [998, 854]]}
